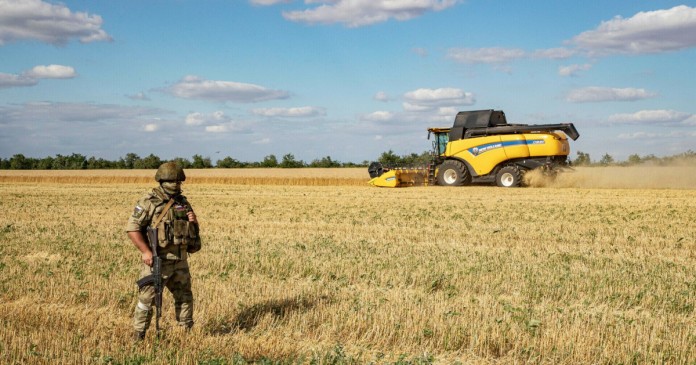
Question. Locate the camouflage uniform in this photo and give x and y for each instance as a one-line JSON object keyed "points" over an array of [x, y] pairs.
{"points": [[175, 269]]}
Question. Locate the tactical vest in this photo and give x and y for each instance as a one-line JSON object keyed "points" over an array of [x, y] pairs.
{"points": [[174, 228]]}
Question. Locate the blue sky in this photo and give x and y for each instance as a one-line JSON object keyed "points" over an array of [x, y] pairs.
{"points": [[348, 79]]}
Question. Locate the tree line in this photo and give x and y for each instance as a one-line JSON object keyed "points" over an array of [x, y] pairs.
{"points": [[584, 159], [77, 161]]}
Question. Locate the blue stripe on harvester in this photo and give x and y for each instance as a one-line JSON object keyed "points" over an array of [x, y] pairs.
{"points": [[477, 150]]}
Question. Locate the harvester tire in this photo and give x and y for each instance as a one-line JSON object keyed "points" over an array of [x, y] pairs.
{"points": [[509, 177], [453, 173]]}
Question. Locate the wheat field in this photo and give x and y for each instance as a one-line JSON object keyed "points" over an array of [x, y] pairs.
{"points": [[314, 266]]}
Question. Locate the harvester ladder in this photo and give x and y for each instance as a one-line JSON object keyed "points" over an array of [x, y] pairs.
{"points": [[431, 174]]}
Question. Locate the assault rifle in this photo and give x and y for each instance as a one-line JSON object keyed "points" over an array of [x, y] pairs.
{"points": [[154, 279]]}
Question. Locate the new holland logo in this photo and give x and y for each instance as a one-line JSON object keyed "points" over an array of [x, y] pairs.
{"points": [[485, 148]]}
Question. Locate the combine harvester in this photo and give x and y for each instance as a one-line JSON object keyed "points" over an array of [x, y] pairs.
{"points": [[481, 147]]}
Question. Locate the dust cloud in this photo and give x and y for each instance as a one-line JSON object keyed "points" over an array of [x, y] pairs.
{"points": [[674, 176]]}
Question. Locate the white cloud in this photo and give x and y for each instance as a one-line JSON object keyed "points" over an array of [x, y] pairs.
{"points": [[427, 99], [52, 72], [193, 87], [555, 53], [11, 80], [306, 111], [357, 13], [645, 32], [600, 94], [378, 116], [46, 22], [573, 70], [195, 119], [216, 122], [151, 127], [652, 117], [216, 128], [32, 77], [485, 55]]}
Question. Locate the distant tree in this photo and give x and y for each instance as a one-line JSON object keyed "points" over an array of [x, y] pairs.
{"points": [[583, 159], [269, 161], [290, 162], [45, 163], [4, 164], [94, 163], [606, 160], [228, 163], [325, 162], [200, 162], [415, 159], [184, 163], [634, 159], [19, 162], [389, 158], [129, 161], [149, 162]]}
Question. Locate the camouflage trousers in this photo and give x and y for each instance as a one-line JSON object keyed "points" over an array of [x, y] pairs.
{"points": [[177, 280]]}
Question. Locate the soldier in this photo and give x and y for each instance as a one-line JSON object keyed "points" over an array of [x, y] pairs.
{"points": [[177, 237]]}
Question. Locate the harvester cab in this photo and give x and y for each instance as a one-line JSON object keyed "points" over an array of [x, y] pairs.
{"points": [[481, 147]]}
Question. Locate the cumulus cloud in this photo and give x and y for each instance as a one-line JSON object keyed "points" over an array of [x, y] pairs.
{"points": [[300, 112], [599, 94], [645, 32], [193, 87], [11, 80], [555, 53], [428, 99], [652, 117], [378, 116], [151, 127], [32, 77], [52, 72], [215, 122], [46, 22], [358, 13], [573, 70], [490, 55]]}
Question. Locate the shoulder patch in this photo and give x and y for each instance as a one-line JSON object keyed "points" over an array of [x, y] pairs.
{"points": [[138, 211]]}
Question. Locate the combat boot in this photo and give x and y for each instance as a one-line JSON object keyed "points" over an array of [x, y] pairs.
{"points": [[138, 336]]}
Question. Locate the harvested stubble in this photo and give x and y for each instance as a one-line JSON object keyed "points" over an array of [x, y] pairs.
{"points": [[341, 274]]}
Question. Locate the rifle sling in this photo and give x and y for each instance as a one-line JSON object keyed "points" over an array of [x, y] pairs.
{"points": [[162, 213]]}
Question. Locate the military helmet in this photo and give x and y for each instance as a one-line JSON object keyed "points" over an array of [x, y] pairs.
{"points": [[170, 171]]}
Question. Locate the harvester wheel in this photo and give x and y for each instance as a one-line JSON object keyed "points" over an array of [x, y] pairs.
{"points": [[453, 173], [509, 177]]}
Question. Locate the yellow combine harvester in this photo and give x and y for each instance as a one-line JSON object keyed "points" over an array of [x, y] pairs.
{"points": [[481, 147]]}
